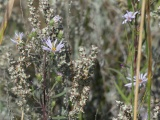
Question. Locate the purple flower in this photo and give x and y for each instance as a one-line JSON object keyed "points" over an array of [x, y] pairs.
{"points": [[142, 80], [52, 47], [129, 16], [17, 38], [57, 18], [33, 30]]}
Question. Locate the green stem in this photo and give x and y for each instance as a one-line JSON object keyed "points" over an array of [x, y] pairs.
{"points": [[149, 58]]}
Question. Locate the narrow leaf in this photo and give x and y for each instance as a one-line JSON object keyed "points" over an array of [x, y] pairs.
{"points": [[59, 118], [60, 94], [121, 93]]}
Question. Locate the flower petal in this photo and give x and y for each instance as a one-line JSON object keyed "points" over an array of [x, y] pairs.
{"points": [[145, 75], [124, 22], [14, 41], [46, 48], [55, 42], [135, 13], [48, 42], [141, 76], [129, 78], [129, 85], [59, 46]]}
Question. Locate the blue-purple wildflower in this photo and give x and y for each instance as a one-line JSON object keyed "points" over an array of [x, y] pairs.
{"points": [[129, 16], [52, 47], [57, 18], [142, 80], [17, 38]]}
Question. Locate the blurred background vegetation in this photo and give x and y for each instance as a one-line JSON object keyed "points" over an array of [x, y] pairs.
{"points": [[86, 23]]}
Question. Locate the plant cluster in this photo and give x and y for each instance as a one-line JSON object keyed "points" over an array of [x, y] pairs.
{"points": [[46, 74], [43, 78]]}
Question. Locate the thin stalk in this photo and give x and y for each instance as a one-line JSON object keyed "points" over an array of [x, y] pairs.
{"points": [[139, 60], [133, 50], [44, 89], [149, 40], [5, 19], [134, 67], [135, 46], [52, 88], [80, 116], [22, 114]]}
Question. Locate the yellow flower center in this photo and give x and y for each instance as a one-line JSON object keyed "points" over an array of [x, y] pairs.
{"points": [[140, 80], [18, 39], [53, 48]]}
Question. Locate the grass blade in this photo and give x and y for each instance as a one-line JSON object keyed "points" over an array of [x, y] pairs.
{"points": [[5, 20]]}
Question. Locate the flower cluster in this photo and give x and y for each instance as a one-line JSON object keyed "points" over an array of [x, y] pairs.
{"points": [[125, 112], [82, 70]]}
